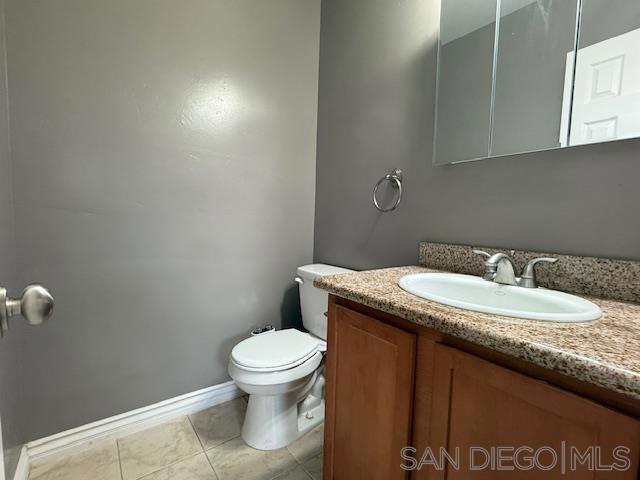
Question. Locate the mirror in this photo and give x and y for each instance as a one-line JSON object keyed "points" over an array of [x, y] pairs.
{"points": [[606, 93], [465, 80], [530, 74], [517, 76]]}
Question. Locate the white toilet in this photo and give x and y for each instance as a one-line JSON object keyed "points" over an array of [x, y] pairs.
{"points": [[282, 371]]}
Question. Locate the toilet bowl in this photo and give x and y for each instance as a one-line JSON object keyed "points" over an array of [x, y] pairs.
{"points": [[283, 371]]}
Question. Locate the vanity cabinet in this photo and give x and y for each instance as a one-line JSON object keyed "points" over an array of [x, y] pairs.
{"points": [[479, 404], [371, 389], [392, 384]]}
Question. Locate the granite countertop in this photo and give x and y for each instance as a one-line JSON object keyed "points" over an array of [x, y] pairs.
{"points": [[605, 353]]}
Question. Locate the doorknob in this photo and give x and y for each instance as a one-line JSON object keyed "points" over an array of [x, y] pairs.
{"points": [[35, 305]]}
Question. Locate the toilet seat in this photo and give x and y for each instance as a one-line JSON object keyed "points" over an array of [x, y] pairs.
{"points": [[276, 351]]}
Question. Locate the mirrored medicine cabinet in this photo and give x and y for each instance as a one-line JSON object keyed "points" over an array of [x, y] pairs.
{"points": [[518, 76]]}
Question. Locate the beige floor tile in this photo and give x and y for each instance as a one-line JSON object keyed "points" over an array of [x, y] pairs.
{"points": [[309, 445], [97, 462], [234, 460], [314, 467], [297, 473], [219, 424], [150, 450], [192, 468]]}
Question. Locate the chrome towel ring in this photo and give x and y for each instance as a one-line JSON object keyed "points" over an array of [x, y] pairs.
{"points": [[395, 177]]}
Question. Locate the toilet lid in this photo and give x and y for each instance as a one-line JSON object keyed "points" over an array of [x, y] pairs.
{"points": [[276, 350]]}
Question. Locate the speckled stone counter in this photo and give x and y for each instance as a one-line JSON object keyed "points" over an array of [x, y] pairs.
{"points": [[605, 353]]}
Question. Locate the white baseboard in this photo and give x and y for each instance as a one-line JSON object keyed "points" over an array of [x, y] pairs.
{"points": [[130, 422], [22, 469]]}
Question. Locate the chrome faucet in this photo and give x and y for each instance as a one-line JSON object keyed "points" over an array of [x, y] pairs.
{"points": [[500, 268]]}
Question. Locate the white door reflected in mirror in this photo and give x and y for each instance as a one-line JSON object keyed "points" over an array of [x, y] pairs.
{"points": [[606, 93]]}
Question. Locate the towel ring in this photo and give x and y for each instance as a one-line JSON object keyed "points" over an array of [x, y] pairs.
{"points": [[395, 177]]}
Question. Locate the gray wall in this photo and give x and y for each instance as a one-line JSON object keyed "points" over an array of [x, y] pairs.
{"points": [[10, 346], [154, 143], [602, 19], [377, 92]]}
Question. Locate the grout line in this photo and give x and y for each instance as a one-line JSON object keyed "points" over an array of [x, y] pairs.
{"points": [[223, 443], [285, 472], [204, 448], [218, 446], [308, 460], [182, 459], [211, 465], [307, 472], [206, 455], [282, 473], [196, 432], [213, 448], [119, 459], [291, 453]]}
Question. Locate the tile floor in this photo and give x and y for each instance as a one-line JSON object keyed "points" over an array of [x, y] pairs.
{"points": [[202, 446]]}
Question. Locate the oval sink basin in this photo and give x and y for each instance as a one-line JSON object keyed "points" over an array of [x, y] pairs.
{"points": [[477, 294]]}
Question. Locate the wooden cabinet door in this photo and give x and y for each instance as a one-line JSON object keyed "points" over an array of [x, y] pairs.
{"points": [[479, 404], [369, 395]]}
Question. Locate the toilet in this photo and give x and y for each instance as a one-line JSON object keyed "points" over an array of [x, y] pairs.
{"points": [[283, 371]]}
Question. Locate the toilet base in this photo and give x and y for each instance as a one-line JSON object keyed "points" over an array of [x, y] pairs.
{"points": [[275, 421]]}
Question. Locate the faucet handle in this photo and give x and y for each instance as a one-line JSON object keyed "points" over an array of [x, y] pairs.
{"points": [[528, 279], [482, 253], [489, 270]]}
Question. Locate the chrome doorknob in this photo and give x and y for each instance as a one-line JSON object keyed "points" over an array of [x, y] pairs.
{"points": [[35, 305]]}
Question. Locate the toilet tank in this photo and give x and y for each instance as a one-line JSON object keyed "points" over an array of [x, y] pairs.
{"points": [[314, 301]]}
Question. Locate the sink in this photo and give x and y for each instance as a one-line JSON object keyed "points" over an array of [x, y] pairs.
{"points": [[477, 294]]}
